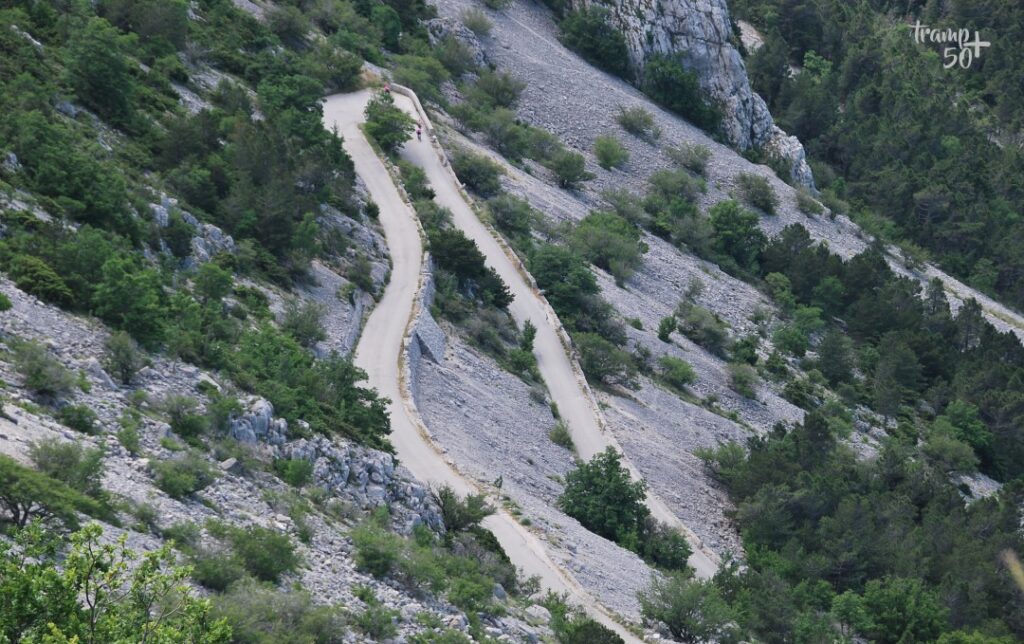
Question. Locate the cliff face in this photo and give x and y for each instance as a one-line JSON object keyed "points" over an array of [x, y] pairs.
{"points": [[701, 32]]}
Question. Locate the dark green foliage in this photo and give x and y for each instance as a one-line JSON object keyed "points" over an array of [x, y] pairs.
{"points": [[601, 495], [415, 181], [559, 435], [458, 514], [5, 303], [479, 173], [737, 234], [609, 242], [260, 614], [886, 124], [702, 327], [387, 124], [79, 418], [569, 168], [304, 322], [609, 152], [497, 89], [572, 290], [53, 587], [289, 24], [422, 74], [99, 71], [590, 33], [36, 277], [26, 494], [182, 476], [216, 570], [676, 372], [692, 157], [666, 326], [456, 253], [638, 122], [264, 553], [79, 468], [668, 82], [131, 299], [602, 361], [758, 192], [323, 392], [41, 373], [512, 216], [294, 471], [693, 610], [123, 358]]}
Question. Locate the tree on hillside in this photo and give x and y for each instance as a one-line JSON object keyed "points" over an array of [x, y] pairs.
{"points": [[388, 124]]}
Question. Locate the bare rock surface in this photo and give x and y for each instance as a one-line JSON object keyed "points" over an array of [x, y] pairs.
{"points": [[490, 425]]}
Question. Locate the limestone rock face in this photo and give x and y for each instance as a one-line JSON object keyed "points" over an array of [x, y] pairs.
{"points": [[700, 31]]}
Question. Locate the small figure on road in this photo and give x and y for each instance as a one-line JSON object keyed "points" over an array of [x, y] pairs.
{"points": [[387, 88], [419, 132]]}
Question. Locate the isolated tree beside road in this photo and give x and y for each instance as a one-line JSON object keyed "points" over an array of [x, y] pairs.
{"points": [[387, 123]]}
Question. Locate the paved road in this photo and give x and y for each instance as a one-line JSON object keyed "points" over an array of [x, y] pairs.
{"points": [[575, 406], [379, 348]]}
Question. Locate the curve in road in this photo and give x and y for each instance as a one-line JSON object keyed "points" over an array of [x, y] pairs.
{"points": [[381, 347], [565, 382]]}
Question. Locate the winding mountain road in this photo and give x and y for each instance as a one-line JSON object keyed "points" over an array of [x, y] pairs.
{"points": [[380, 347]]}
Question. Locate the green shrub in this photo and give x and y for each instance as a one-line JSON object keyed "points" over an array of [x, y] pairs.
{"points": [[609, 242], [182, 417], [5, 303], [743, 379], [512, 215], [702, 327], [289, 24], [668, 82], [479, 173], [456, 55], [496, 89], [423, 74], [602, 361], [184, 534], [180, 477], [602, 496], [589, 33], [665, 328], [693, 609], [676, 372], [26, 494], [41, 373], [377, 550], [388, 124], [415, 181], [304, 322], [609, 152], [508, 136], [264, 553], [458, 514], [570, 169], [638, 122], [258, 614], [79, 418], [128, 435], [122, 359], [664, 547], [477, 22], [758, 192], [296, 472], [36, 277], [216, 569], [808, 204], [737, 235], [376, 621], [69, 462], [559, 435], [692, 157]]}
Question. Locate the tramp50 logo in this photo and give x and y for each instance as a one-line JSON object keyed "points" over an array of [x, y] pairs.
{"points": [[962, 51]]}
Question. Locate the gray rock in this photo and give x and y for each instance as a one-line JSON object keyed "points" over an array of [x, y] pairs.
{"points": [[10, 163], [537, 614], [700, 32], [231, 466], [499, 592]]}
